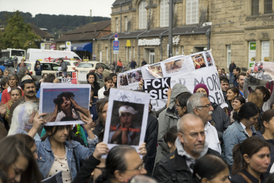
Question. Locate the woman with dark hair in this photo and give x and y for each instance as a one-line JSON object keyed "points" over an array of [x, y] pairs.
{"points": [[251, 161], [122, 163], [241, 129], [267, 132], [92, 80], [57, 152], [114, 79], [210, 169], [17, 161], [13, 83], [92, 105], [237, 103], [38, 68], [232, 92], [29, 142], [180, 102], [66, 106]]}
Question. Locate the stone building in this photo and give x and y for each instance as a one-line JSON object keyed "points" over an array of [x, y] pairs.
{"points": [[142, 26], [82, 38], [239, 30], [242, 31]]}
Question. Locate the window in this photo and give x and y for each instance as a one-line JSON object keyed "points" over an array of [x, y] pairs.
{"points": [[182, 50], [252, 54], [125, 23], [265, 51], [254, 7], [267, 6], [143, 15], [192, 11], [228, 55], [117, 24], [164, 13]]}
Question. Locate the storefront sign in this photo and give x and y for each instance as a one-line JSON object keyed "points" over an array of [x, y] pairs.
{"points": [[149, 42]]}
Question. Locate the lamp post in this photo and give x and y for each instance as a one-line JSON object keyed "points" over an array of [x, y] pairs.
{"points": [[170, 31]]}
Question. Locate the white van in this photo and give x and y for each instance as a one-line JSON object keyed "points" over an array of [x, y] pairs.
{"points": [[49, 55]]}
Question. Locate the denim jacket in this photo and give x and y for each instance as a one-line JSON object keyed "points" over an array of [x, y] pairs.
{"points": [[234, 134], [46, 157]]}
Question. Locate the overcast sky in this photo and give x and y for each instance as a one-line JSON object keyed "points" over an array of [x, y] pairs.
{"points": [[66, 7]]}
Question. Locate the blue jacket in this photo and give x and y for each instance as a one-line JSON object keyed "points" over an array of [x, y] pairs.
{"points": [[46, 157], [39, 69], [234, 134]]}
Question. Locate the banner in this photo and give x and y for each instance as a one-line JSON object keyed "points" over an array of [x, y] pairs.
{"points": [[188, 70], [263, 70], [157, 88]]}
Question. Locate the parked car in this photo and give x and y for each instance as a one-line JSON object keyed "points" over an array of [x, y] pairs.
{"points": [[6, 61], [85, 67]]}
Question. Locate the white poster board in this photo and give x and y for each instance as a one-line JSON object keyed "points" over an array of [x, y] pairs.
{"points": [[188, 70], [127, 118], [63, 103]]}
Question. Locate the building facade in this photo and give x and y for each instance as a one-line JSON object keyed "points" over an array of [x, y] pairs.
{"points": [[142, 26], [234, 30]]}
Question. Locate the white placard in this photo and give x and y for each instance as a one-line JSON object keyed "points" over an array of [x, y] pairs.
{"points": [[127, 118], [63, 103]]}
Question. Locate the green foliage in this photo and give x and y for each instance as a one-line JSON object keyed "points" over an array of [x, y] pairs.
{"points": [[57, 23], [17, 33]]}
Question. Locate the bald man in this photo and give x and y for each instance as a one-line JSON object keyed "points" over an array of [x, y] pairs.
{"points": [[191, 145]]}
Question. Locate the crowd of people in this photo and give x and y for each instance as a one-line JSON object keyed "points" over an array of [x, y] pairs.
{"points": [[189, 140]]}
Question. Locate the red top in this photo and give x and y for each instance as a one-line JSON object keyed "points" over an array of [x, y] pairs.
{"points": [[6, 96]]}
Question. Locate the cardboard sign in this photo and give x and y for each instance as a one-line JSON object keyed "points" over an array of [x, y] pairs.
{"points": [[157, 88]]}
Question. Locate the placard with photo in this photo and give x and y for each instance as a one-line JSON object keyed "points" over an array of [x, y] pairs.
{"points": [[198, 60], [127, 118], [64, 104], [69, 77]]}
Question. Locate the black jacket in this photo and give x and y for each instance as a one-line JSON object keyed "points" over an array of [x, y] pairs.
{"points": [[231, 67], [151, 143], [240, 179], [220, 120], [173, 168]]}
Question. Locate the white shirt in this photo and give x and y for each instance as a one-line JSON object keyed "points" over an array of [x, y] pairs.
{"points": [[211, 137], [244, 127]]}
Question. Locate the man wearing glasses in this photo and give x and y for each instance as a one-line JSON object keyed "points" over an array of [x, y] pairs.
{"points": [[199, 105], [191, 145]]}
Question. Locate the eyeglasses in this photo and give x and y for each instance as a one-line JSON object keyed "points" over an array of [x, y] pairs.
{"points": [[206, 106], [139, 168]]}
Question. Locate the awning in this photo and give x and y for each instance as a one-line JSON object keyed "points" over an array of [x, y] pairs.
{"points": [[62, 46], [82, 47]]}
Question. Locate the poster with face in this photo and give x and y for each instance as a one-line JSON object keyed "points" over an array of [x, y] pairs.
{"points": [[209, 58], [134, 76], [263, 70], [177, 65], [198, 60], [64, 104], [126, 118], [155, 70]]}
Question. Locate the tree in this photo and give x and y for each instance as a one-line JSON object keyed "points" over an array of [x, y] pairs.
{"points": [[18, 34]]}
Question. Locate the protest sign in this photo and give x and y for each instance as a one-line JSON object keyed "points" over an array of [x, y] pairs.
{"points": [[64, 104], [69, 78], [263, 70], [157, 88], [130, 79], [127, 118], [188, 70]]}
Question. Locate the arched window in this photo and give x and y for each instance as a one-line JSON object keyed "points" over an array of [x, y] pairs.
{"points": [[192, 11], [142, 15], [164, 13]]}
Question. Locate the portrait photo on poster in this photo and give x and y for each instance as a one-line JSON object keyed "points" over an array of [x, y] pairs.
{"points": [[209, 58], [64, 104], [198, 60], [127, 116], [126, 122]]}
